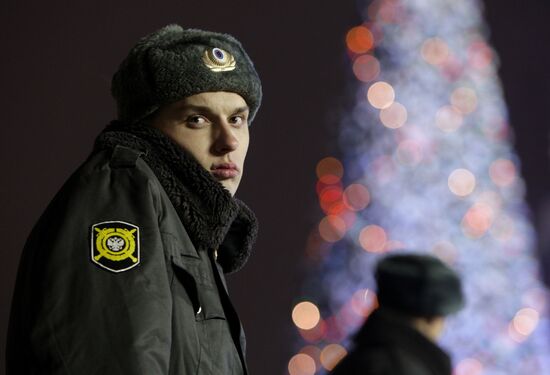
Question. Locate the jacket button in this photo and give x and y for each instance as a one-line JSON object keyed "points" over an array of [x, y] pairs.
{"points": [[199, 310]]}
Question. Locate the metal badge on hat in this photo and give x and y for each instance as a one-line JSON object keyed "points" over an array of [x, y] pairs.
{"points": [[218, 60]]}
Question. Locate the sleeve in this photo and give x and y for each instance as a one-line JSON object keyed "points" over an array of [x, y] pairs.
{"points": [[96, 292]]}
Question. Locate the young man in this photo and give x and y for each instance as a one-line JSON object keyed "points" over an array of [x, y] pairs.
{"points": [[124, 272], [415, 294]]}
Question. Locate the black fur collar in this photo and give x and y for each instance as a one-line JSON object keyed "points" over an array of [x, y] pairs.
{"points": [[211, 216]]}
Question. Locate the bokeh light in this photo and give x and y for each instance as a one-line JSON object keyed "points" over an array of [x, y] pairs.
{"points": [[435, 51], [366, 68], [331, 200], [480, 55], [502, 172], [356, 197], [359, 39], [525, 321], [373, 238], [477, 220], [464, 99], [388, 11], [329, 170], [301, 364], [306, 315], [381, 95], [394, 116], [332, 228], [314, 352], [331, 355], [461, 182], [334, 182], [374, 8], [448, 119]]}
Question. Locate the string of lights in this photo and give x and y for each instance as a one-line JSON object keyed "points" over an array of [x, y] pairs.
{"points": [[426, 165]]}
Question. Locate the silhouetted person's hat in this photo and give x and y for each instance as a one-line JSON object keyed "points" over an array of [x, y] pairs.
{"points": [[418, 285]]}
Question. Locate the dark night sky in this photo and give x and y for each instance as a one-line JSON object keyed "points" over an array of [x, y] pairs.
{"points": [[57, 62]]}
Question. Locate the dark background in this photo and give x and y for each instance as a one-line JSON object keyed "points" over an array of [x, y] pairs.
{"points": [[56, 64]]}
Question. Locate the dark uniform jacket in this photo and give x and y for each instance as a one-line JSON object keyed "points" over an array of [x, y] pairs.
{"points": [[387, 346], [123, 273]]}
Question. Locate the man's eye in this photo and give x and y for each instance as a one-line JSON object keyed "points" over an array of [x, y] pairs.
{"points": [[195, 120], [238, 120]]}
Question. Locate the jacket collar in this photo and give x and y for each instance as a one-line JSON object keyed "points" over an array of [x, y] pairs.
{"points": [[211, 216]]}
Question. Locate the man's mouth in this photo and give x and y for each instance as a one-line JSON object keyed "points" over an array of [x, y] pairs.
{"points": [[224, 171]]}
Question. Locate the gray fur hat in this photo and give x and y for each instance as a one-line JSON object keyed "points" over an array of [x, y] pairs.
{"points": [[173, 63], [418, 285]]}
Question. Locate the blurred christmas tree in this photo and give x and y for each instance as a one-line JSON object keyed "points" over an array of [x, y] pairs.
{"points": [[427, 165]]}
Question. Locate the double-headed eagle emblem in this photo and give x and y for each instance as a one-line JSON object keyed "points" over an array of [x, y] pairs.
{"points": [[115, 245]]}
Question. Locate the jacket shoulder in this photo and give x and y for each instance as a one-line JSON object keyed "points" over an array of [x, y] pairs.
{"points": [[124, 157], [112, 177], [114, 159]]}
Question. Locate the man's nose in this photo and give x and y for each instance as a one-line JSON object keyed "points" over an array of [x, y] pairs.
{"points": [[225, 140]]}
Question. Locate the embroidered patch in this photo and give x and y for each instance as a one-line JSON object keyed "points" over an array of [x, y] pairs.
{"points": [[115, 245]]}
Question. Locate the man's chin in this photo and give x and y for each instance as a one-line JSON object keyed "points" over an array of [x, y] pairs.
{"points": [[230, 186]]}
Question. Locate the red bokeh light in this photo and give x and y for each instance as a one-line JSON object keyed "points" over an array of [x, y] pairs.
{"points": [[366, 68], [502, 172], [359, 39], [331, 200], [329, 170], [480, 55], [477, 220]]}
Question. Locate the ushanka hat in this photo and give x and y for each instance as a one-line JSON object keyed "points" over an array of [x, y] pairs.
{"points": [[418, 285], [173, 63]]}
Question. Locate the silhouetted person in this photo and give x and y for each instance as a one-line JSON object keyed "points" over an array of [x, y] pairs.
{"points": [[415, 294]]}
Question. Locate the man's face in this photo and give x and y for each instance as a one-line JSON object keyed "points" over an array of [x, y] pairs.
{"points": [[213, 127]]}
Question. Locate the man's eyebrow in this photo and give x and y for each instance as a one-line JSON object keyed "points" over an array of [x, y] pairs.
{"points": [[241, 109], [205, 109], [196, 108]]}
